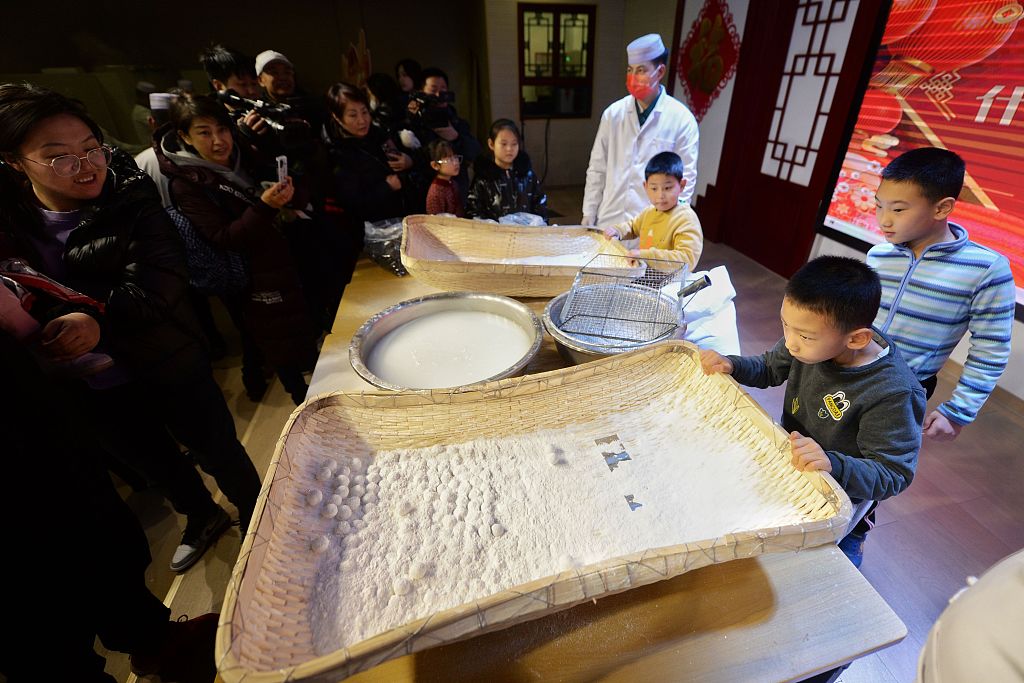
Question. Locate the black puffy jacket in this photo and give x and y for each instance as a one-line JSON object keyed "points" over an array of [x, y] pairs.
{"points": [[496, 192], [126, 253]]}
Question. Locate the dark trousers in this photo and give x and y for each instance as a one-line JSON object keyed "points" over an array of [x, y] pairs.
{"points": [[197, 416]]}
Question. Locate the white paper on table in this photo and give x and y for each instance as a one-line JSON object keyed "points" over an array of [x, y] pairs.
{"points": [[710, 314]]}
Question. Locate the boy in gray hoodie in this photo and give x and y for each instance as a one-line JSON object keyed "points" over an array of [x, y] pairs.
{"points": [[852, 406]]}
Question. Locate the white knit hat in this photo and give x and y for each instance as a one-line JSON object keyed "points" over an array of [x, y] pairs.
{"points": [[645, 49], [268, 56]]}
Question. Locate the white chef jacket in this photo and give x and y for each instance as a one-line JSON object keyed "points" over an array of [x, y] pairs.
{"points": [[615, 176]]}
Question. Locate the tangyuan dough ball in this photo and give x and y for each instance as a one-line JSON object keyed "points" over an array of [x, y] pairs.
{"points": [[342, 480], [330, 510], [353, 503], [374, 478], [338, 500], [401, 586], [324, 474], [370, 498], [357, 465], [360, 479], [319, 544], [358, 490], [417, 571], [497, 530], [331, 464], [344, 528], [314, 497], [345, 512], [343, 491]]}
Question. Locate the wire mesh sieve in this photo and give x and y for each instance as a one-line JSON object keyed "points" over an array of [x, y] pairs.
{"points": [[623, 299]]}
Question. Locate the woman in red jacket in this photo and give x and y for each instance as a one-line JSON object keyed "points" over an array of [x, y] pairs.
{"points": [[214, 182]]}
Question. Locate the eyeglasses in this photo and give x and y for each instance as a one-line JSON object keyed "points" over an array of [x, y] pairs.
{"points": [[70, 164], [455, 159]]}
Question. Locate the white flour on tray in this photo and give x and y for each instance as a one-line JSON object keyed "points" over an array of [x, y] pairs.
{"points": [[423, 530]]}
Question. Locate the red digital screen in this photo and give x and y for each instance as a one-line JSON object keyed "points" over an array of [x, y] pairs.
{"points": [[949, 73]]}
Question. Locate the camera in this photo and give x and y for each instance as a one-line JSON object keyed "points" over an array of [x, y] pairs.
{"points": [[292, 131], [432, 110]]}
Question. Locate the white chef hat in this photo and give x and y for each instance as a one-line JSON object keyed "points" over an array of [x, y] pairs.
{"points": [[645, 49], [268, 56]]}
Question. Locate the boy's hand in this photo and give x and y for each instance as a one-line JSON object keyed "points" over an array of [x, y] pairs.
{"points": [[807, 454], [69, 336], [611, 233], [712, 362], [394, 182], [939, 427]]}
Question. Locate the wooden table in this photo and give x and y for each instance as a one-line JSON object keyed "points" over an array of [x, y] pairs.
{"points": [[772, 618]]}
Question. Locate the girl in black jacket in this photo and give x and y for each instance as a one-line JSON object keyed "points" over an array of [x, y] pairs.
{"points": [[504, 181]]}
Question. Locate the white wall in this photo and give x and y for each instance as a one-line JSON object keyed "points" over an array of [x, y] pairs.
{"points": [[712, 126], [1012, 379]]}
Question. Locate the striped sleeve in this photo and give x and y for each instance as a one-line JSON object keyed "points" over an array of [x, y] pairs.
{"points": [[990, 325]]}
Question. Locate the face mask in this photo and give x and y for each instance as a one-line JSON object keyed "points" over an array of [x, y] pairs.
{"points": [[640, 87]]}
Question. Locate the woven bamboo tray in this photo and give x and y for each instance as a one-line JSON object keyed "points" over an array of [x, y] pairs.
{"points": [[265, 631], [458, 254]]}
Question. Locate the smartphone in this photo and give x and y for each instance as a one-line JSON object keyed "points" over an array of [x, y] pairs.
{"points": [[282, 169]]}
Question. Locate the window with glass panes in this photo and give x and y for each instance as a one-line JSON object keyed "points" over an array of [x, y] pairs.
{"points": [[556, 60]]}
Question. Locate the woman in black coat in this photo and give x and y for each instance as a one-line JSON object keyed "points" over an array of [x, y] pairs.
{"points": [[90, 219]]}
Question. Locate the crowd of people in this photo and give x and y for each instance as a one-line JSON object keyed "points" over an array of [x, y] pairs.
{"points": [[259, 193]]}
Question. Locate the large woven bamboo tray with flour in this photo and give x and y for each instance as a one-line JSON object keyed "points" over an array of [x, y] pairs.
{"points": [[605, 422], [456, 254]]}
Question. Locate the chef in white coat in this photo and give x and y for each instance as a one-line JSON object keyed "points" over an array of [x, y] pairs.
{"points": [[633, 130]]}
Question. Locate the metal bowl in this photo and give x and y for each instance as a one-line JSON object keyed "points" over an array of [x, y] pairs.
{"points": [[581, 348], [374, 329]]}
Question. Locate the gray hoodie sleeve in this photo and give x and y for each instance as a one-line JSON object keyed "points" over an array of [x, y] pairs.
{"points": [[889, 439], [770, 369]]}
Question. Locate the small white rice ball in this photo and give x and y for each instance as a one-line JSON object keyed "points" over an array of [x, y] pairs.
{"points": [[329, 511], [314, 497], [353, 503], [357, 465], [497, 530], [324, 474], [331, 464], [342, 480], [358, 490], [370, 497], [401, 586], [343, 491], [319, 544], [417, 571], [360, 479], [344, 528], [345, 512], [338, 500]]}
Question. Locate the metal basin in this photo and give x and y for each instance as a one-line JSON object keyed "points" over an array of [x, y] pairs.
{"points": [[576, 349], [374, 329]]}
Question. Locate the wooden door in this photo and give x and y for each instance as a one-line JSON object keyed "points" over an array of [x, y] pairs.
{"points": [[801, 69]]}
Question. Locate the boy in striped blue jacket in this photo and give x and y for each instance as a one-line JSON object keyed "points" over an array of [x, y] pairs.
{"points": [[937, 285]]}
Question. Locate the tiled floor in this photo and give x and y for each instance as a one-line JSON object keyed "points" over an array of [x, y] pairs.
{"points": [[961, 515]]}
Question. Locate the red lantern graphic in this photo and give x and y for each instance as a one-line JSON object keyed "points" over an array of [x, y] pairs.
{"points": [[906, 17], [958, 34]]}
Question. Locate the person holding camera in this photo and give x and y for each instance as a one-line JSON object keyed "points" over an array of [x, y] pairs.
{"points": [[213, 181], [433, 117], [375, 177]]}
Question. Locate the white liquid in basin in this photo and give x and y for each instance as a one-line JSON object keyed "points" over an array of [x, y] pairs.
{"points": [[448, 349]]}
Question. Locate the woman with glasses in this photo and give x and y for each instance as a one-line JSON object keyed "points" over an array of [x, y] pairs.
{"points": [[91, 220]]}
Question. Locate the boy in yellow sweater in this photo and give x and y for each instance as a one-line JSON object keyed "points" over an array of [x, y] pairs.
{"points": [[667, 229]]}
